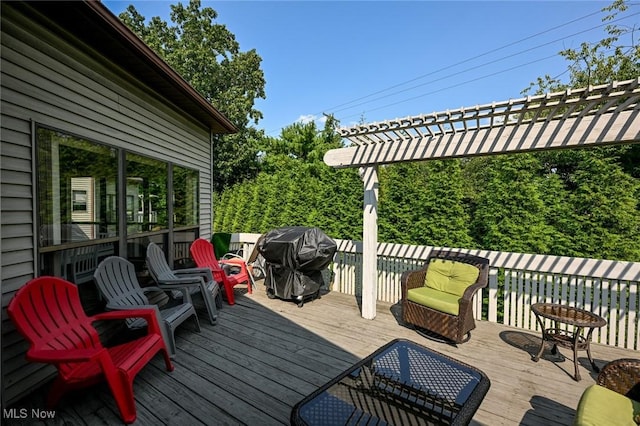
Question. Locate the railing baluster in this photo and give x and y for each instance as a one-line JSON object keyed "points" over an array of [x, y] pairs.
{"points": [[607, 288]]}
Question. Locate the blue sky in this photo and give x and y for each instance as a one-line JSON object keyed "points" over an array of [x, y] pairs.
{"points": [[381, 60]]}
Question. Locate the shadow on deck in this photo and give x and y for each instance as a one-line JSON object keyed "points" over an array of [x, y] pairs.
{"points": [[265, 355]]}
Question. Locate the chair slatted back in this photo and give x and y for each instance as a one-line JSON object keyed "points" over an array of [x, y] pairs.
{"points": [[48, 313], [157, 264], [117, 281], [204, 256], [84, 261]]}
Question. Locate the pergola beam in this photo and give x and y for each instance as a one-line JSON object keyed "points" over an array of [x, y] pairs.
{"points": [[600, 115], [603, 129]]}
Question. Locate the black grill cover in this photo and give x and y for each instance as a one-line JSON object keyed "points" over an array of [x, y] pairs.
{"points": [[295, 255], [297, 247]]}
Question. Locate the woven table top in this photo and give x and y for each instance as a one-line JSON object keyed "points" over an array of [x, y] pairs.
{"points": [[568, 315]]}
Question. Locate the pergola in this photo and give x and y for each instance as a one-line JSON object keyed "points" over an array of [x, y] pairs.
{"points": [[592, 116]]}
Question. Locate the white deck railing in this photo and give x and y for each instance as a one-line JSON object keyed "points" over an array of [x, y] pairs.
{"points": [[516, 281]]}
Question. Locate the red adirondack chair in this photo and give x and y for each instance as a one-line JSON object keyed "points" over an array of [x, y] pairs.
{"points": [[204, 256], [48, 313]]}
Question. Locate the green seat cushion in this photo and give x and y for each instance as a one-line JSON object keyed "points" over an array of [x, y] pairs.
{"points": [[435, 299], [601, 406], [450, 276]]}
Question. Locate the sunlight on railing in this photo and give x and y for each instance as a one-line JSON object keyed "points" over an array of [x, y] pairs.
{"points": [[516, 281]]}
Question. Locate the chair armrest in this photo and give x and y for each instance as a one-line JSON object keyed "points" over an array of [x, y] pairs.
{"points": [[622, 376], [125, 313], [230, 256], [150, 313], [116, 307], [471, 290], [187, 285], [412, 279], [197, 272], [187, 281], [169, 288], [151, 288], [234, 262], [232, 267], [63, 355]]}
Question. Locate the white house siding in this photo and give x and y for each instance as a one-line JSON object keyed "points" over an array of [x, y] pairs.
{"points": [[62, 84]]}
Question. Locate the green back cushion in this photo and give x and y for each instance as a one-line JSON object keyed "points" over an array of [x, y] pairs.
{"points": [[450, 276], [601, 406]]}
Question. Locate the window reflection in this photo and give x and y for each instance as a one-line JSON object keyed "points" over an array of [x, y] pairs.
{"points": [[78, 207], [181, 248], [137, 253], [185, 196], [146, 194], [76, 189]]}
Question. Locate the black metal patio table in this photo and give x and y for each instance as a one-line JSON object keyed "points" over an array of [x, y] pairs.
{"points": [[401, 383]]}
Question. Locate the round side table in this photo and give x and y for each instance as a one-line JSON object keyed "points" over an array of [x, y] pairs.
{"points": [[562, 314]]}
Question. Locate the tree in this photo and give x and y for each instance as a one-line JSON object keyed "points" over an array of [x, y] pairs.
{"points": [[295, 187], [606, 222], [594, 180], [423, 203], [615, 57], [207, 55], [299, 141], [510, 213]]}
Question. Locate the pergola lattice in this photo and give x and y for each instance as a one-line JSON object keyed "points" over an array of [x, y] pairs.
{"points": [[593, 116]]}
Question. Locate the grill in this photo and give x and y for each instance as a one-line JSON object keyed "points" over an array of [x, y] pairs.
{"points": [[297, 259]]}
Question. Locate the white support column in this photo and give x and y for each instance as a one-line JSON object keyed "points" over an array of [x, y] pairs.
{"points": [[369, 176]]}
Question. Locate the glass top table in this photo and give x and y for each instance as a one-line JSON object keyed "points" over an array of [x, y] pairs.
{"points": [[400, 383]]}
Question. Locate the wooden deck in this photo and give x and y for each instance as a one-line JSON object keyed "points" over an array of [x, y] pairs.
{"points": [[265, 355]]}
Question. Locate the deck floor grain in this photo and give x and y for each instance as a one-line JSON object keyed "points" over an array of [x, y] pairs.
{"points": [[267, 354]]}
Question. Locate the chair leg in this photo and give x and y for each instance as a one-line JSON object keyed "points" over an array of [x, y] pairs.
{"points": [[55, 393], [122, 389], [228, 291], [251, 283], [219, 300], [167, 360], [165, 332], [209, 295], [171, 342], [196, 321]]}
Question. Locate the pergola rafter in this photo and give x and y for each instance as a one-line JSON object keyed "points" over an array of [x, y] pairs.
{"points": [[607, 114], [592, 116]]}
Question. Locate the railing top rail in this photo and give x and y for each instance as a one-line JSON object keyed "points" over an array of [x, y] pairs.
{"points": [[607, 269], [564, 265]]}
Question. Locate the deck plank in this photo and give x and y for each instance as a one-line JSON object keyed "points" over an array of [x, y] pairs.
{"points": [[267, 354]]}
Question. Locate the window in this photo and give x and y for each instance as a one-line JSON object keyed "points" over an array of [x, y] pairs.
{"points": [[79, 200], [131, 217], [76, 179]]}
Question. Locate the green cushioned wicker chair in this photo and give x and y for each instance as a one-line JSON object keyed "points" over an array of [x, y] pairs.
{"points": [[614, 399], [438, 298]]}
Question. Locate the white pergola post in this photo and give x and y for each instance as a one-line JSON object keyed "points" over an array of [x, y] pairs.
{"points": [[369, 176]]}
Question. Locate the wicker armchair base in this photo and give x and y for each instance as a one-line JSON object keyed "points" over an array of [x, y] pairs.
{"points": [[451, 327]]}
